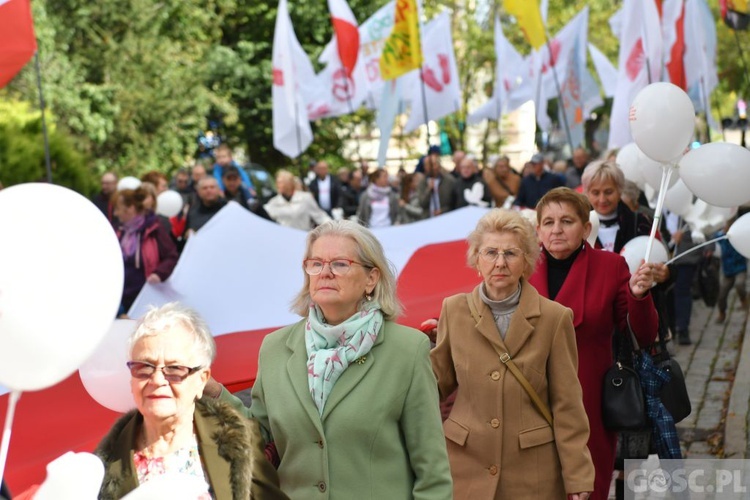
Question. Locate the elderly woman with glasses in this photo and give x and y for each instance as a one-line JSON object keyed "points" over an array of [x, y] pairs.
{"points": [[518, 428], [175, 434], [347, 395]]}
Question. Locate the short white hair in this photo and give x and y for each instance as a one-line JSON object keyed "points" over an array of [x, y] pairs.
{"points": [[162, 319]]}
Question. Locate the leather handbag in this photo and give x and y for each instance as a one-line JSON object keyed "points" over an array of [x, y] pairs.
{"points": [[623, 403], [674, 395]]}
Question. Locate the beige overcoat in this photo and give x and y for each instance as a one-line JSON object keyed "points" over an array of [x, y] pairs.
{"points": [[499, 444]]}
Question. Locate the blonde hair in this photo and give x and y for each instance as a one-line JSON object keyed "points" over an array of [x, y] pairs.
{"points": [[499, 220], [602, 171], [369, 252]]}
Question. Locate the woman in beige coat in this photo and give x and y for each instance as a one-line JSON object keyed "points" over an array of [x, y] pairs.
{"points": [[500, 443]]}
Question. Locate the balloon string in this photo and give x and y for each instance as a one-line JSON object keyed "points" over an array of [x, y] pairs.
{"points": [[665, 176], [709, 242], [5, 443]]}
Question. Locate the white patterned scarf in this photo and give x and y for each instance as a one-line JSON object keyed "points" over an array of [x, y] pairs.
{"points": [[332, 348]]}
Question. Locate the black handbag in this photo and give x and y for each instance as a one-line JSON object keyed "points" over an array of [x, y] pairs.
{"points": [[623, 403], [674, 395]]}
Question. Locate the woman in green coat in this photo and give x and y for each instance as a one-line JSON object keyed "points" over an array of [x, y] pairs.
{"points": [[348, 396]]}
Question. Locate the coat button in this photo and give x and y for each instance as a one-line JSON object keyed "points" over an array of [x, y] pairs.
{"points": [[322, 486], [320, 443], [495, 423], [493, 470], [495, 375]]}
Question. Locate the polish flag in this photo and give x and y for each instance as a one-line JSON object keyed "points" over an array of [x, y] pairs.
{"points": [[17, 40], [347, 33]]}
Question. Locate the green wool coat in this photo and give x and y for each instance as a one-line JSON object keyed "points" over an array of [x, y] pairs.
{"points": [[380, 436]]}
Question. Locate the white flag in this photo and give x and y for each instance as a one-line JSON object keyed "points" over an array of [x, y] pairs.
{"points": [[442, 91], [640, 54], [507, 73], [291, 127], [390, 107], [606, 71], [571, 84]]}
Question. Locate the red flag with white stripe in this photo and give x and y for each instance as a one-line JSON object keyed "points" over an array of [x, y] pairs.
{"points": [[347, 33], [17, 40]]}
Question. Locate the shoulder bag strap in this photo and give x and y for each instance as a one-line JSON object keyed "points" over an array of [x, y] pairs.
{"points": [[507, 361]]}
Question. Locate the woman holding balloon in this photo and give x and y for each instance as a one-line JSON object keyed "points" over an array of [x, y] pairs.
{"points": [[603, 295]]}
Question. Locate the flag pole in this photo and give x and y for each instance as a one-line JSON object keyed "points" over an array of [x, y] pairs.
{"points": [[351, 111], [401, 133], [299, 139], [43, 106], [424, 106], [706, 107], [559, 91]]}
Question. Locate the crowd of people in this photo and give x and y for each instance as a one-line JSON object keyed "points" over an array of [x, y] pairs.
{"points": [[346, 400]]}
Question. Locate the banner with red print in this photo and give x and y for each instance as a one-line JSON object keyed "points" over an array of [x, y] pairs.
{"points": [[639, 62], [439, 75]]}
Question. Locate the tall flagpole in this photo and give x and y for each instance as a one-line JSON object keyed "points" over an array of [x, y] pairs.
{"points": [[43, 106]]}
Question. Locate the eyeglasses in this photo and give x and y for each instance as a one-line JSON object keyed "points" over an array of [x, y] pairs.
{"points": [[510, 255], [339, 267], [173, 374]]}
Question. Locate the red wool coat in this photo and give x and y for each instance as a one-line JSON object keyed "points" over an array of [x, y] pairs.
{"points": [[597, 291]]}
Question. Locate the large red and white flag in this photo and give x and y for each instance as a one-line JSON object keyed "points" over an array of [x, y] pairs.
{"points": [[291, 66], [639, 63], [442, 91], [17, 40], [347, 33], [507, 68]]}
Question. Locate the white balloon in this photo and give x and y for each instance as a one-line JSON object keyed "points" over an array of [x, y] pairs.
{"points": [[719, 173], [634, 252], [594, 219], [679, 199], [627, 160], [128, 183], [739, 235], [652, 171], [61, 280], [104, 374], [72, 476], [169, 203], [662, 119]]}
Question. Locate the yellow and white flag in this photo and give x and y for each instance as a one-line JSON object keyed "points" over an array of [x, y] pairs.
{"points": [[529, 17], [402, 51]]}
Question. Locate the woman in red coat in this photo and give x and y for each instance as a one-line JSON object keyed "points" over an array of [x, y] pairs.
{"points": [[599, 289]]}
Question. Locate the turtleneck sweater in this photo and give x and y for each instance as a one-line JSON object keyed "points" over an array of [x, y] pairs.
{"points": [[557, 271], [502, 310]]}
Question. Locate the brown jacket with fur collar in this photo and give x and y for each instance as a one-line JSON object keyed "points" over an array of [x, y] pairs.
{"points": [[231, 448]]}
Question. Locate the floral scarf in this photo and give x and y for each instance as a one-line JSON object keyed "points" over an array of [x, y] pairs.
{"points": [[129, 240], [332, 348]]}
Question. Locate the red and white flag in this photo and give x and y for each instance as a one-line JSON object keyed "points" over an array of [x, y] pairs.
{"points": [[639, 63], [347, 33], [291, 66], [673, 34], [442, 91], [17, 40]]}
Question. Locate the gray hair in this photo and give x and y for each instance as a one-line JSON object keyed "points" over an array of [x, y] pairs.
{"points": [[601, 171], [162, 319], [369, 252], [499, 220]]}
